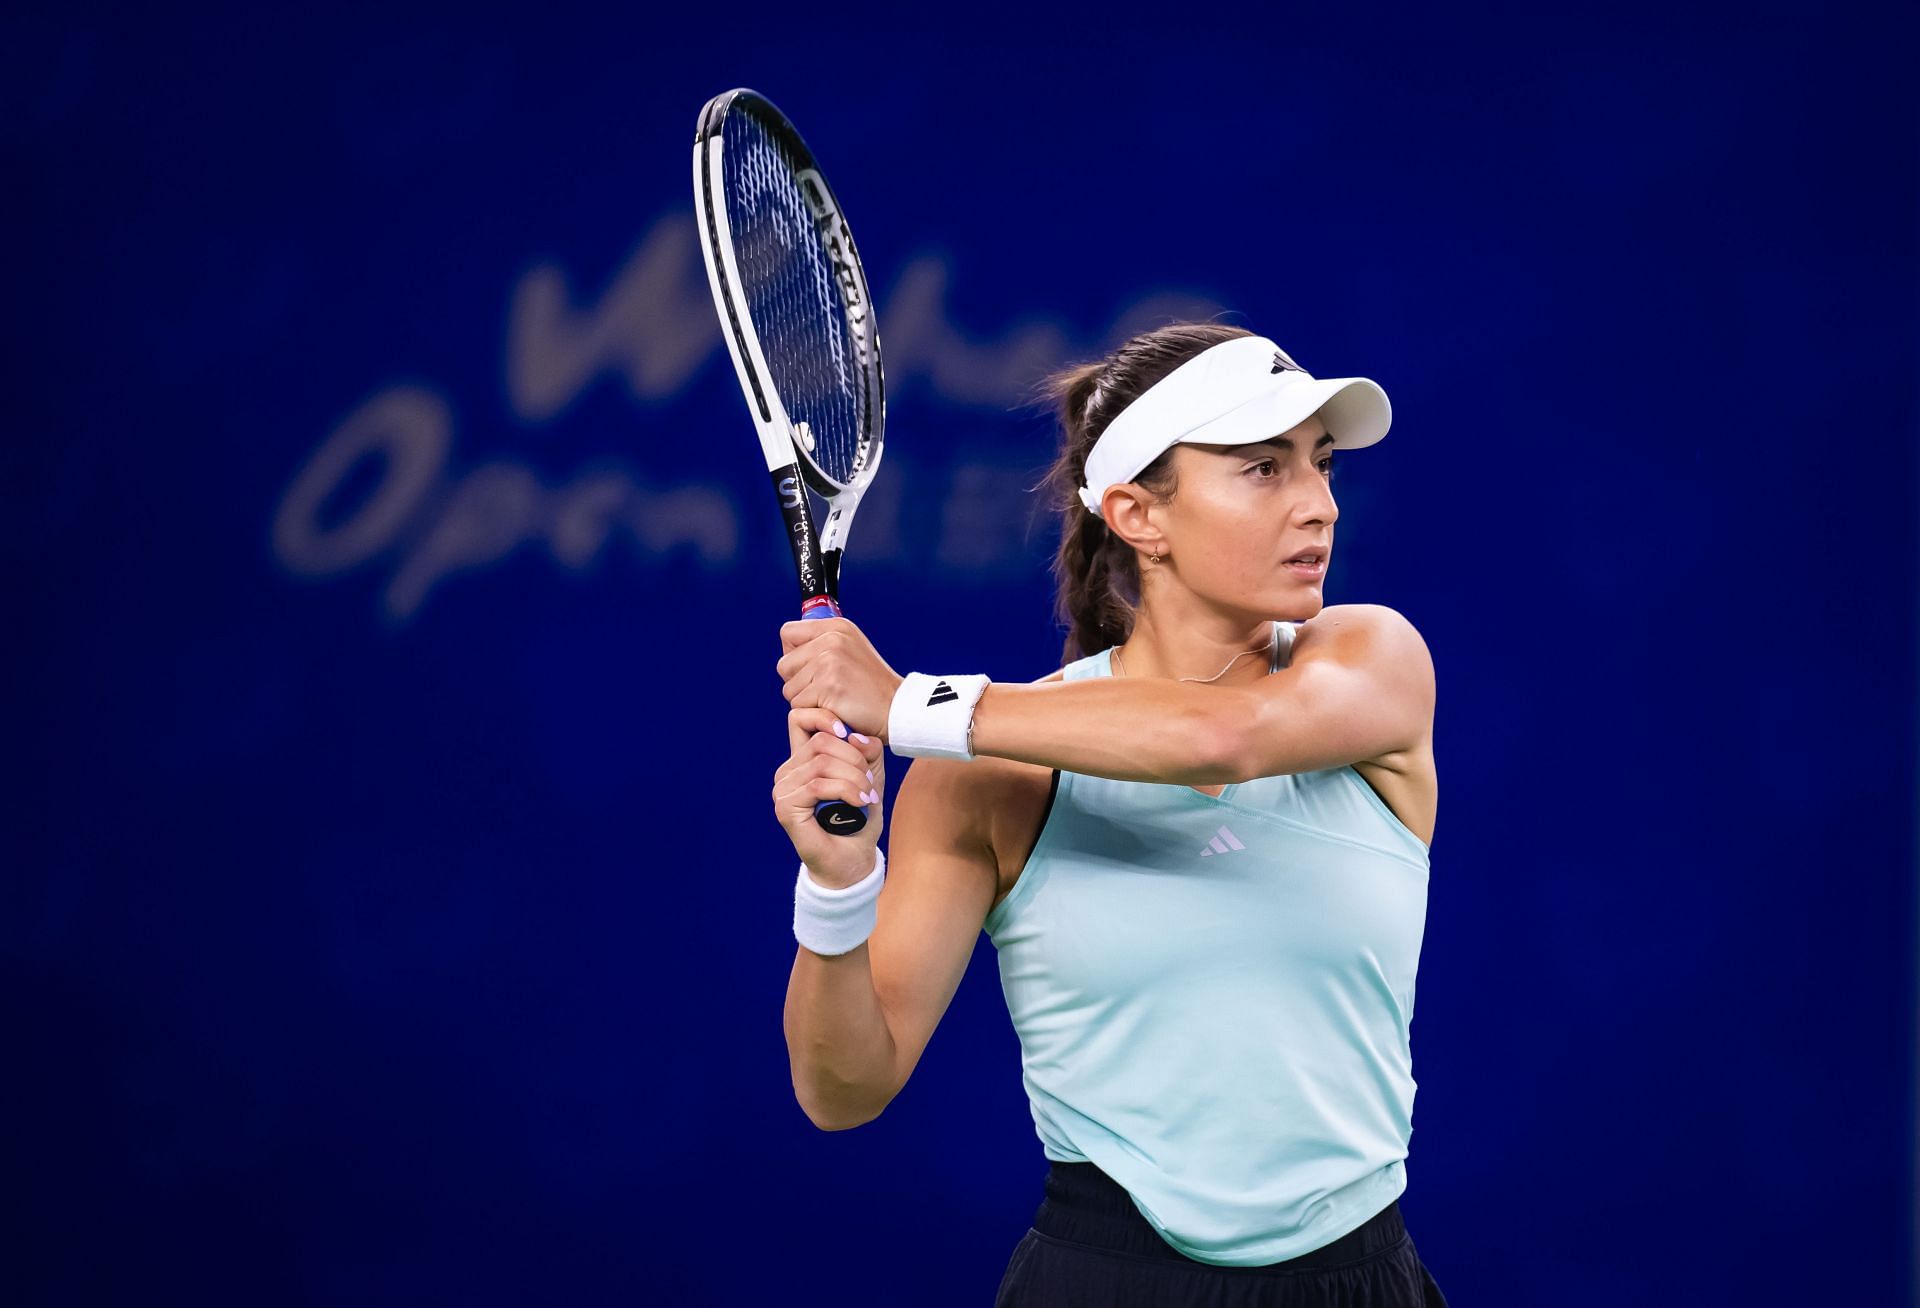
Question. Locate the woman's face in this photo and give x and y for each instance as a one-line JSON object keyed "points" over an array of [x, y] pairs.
{"points": [[1242, 511]]}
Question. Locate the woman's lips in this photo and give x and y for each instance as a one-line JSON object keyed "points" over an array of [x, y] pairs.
{"points": [[1308, 571]]}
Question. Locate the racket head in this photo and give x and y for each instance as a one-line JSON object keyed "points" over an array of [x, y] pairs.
{"points": [[792, 295]]}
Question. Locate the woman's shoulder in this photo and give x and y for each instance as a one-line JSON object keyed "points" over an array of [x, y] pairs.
{"points": [[1378, 617], [1384, 631]]}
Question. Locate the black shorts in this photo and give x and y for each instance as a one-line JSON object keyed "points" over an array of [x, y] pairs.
{"points": [[1090, 1248]]}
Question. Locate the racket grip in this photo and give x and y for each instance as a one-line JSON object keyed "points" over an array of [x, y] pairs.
{"points": [[835, 816]]}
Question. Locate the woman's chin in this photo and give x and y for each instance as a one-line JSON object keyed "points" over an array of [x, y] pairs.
{"points": [[1302, 604]]}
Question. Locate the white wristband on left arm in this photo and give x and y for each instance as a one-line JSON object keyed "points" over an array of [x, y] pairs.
{"points": [[932, 717], [834, 921]]}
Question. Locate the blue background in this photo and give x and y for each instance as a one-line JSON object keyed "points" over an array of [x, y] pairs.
{"points": [[393, 906]]}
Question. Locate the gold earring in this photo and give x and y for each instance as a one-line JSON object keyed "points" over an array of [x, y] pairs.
{"points": [[1153, 558]]}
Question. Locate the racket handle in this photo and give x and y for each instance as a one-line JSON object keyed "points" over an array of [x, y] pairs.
{"points": [[835, 816]]}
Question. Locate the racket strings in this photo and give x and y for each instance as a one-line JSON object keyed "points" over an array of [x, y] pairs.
{"points": [[818, 361]]}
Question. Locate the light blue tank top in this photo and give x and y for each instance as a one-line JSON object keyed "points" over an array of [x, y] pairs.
{"points": [[1213, 998]]}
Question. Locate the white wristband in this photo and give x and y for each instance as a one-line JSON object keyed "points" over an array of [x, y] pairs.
{"points": [[932, 717], [836, 921]]}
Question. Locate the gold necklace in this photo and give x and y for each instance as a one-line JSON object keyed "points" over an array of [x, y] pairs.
{"points": [[1120, 671]]}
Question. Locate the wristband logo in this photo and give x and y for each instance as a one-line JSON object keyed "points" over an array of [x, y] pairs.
{"points": [[942, 694]]}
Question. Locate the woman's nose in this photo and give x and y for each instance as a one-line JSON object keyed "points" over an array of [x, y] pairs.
{"points": [[1319, 505]]}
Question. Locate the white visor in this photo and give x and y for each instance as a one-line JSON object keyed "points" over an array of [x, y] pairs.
{"points": [[1235, 393]]}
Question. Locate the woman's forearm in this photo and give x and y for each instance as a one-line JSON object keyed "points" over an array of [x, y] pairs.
{"points": [[838, 1043], [1132, 730]]}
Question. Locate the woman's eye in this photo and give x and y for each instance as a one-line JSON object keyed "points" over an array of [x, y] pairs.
{"points": [[1326, 468]]}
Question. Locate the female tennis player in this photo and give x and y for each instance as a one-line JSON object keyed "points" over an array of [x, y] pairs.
{"points": [[1200, 849]]}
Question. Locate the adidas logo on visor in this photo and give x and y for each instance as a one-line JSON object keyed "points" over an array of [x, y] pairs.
{"points": [[1223, 841]]}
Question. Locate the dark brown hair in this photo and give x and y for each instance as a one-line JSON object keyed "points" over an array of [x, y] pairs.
{"points": [[1097, 573]]}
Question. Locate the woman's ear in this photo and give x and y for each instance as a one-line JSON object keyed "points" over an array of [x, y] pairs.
{"points": [[1127, 517]]}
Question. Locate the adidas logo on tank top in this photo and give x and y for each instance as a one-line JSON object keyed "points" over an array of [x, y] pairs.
{"points": [[1223, 840]]}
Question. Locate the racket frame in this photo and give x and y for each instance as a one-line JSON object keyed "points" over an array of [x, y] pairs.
{"points": [[817, 547]]}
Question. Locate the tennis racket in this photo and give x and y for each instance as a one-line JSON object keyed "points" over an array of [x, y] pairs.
{"points": [[798, 321]]}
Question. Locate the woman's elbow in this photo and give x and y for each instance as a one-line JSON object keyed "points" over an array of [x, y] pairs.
{"points": [[838, 1121]]}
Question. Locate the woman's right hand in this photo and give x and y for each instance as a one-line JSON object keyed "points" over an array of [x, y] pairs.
{"points": [[823, 766]]}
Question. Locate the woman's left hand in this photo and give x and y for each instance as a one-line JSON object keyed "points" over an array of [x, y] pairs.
{"points": [[829, 663]]}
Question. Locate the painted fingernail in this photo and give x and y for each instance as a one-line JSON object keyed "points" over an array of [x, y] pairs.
{"points": [[840, 730], [869, 774], [857, 736], [866, 797]]}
